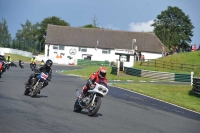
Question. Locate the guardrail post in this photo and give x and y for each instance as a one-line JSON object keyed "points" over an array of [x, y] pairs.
{"points": [[192, 75]]}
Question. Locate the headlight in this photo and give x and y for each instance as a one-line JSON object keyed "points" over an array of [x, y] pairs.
{"points": [[100, 89], [104, 91]]}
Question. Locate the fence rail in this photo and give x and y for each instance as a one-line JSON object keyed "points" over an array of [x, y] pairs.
{"points": [[168, 65]]}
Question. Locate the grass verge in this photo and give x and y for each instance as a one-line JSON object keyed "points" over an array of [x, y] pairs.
{"points": [[86, 71], [16, 57], [180, 95]]}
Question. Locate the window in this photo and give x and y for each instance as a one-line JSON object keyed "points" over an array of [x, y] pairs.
{"points": [[58, 47], [125, 58], [61, 47], [105, 51], [81, 49], [55, 47]]}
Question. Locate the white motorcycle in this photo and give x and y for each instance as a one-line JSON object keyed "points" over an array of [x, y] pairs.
{"points": [[93, 99]]}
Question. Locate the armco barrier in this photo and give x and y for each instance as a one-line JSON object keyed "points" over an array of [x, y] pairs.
{"points": [[132, 71], [196, 85], [114, 70], [92, 63], [182, 77], [158, 75]]}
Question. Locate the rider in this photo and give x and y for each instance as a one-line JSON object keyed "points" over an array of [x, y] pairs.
{"points": [[42, 62], [46, 69], [9, 59], [3, 60], [33, 60], [99, 77], [20, 63]]}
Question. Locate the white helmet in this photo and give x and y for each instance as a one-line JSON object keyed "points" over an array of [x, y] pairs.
{"points": [[2, 54]]}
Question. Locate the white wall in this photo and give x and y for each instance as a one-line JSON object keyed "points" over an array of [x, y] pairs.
{"points": [[16, 51], [131, 63], [151, 55]]}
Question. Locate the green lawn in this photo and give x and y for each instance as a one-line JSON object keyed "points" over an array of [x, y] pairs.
{"points": [[180, 95], [86, 71], [16, 57]]}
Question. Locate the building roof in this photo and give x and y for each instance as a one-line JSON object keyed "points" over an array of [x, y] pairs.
{"points": [[102, 38]]}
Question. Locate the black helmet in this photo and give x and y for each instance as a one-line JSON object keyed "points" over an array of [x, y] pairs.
{"points": [[49, 63]]}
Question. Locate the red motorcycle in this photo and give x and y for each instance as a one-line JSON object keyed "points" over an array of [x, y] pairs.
{"points": [[1, 68]]}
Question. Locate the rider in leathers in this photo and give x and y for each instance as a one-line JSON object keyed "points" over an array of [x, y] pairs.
{"points": [[3, 60], [45, 69], [99, 77]]}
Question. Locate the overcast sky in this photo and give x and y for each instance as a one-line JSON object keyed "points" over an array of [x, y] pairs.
{"points": [[127, 15]]}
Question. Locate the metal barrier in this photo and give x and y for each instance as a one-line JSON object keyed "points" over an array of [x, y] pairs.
{"points": [[158, 75]]}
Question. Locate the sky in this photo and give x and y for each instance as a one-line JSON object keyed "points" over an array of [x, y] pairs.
{"points": [[126, 15]]}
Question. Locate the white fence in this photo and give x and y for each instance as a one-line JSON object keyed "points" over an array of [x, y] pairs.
{"points": [[16, 51], [39, 57]]}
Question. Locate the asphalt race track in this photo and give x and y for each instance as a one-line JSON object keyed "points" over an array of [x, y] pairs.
{"points": [[52, 111]]}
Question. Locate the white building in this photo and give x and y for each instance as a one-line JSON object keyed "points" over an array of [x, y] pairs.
{"points": [[63, 42]]}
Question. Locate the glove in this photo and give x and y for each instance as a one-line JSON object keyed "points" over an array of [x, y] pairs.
{"points": [[92, 86]]}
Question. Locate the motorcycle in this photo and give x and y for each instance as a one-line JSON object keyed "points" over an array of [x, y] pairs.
{"points": [[92, 100], [21, 64], [13, 64], [41, 63], [33, 66], [8, 64], [1, 68], [36, 84]]}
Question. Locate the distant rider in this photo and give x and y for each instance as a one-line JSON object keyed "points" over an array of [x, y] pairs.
{"points": [[20, 63], [3, 60], [42, 63], [99, 77], [9, 59], [33, 60]]}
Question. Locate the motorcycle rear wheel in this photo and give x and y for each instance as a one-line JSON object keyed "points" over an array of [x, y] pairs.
{"points": [[97, 105], [77, 107]]}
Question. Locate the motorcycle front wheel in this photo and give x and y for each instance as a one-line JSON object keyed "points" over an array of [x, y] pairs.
{"points": [[26, 92], [97, 104], [77, 107], [37, 89], [8, 66]]}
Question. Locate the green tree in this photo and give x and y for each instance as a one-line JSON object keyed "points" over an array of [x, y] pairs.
{"points": [[5, 37], [28, 36], [173, 28], [43, 27], [88, 26]]}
